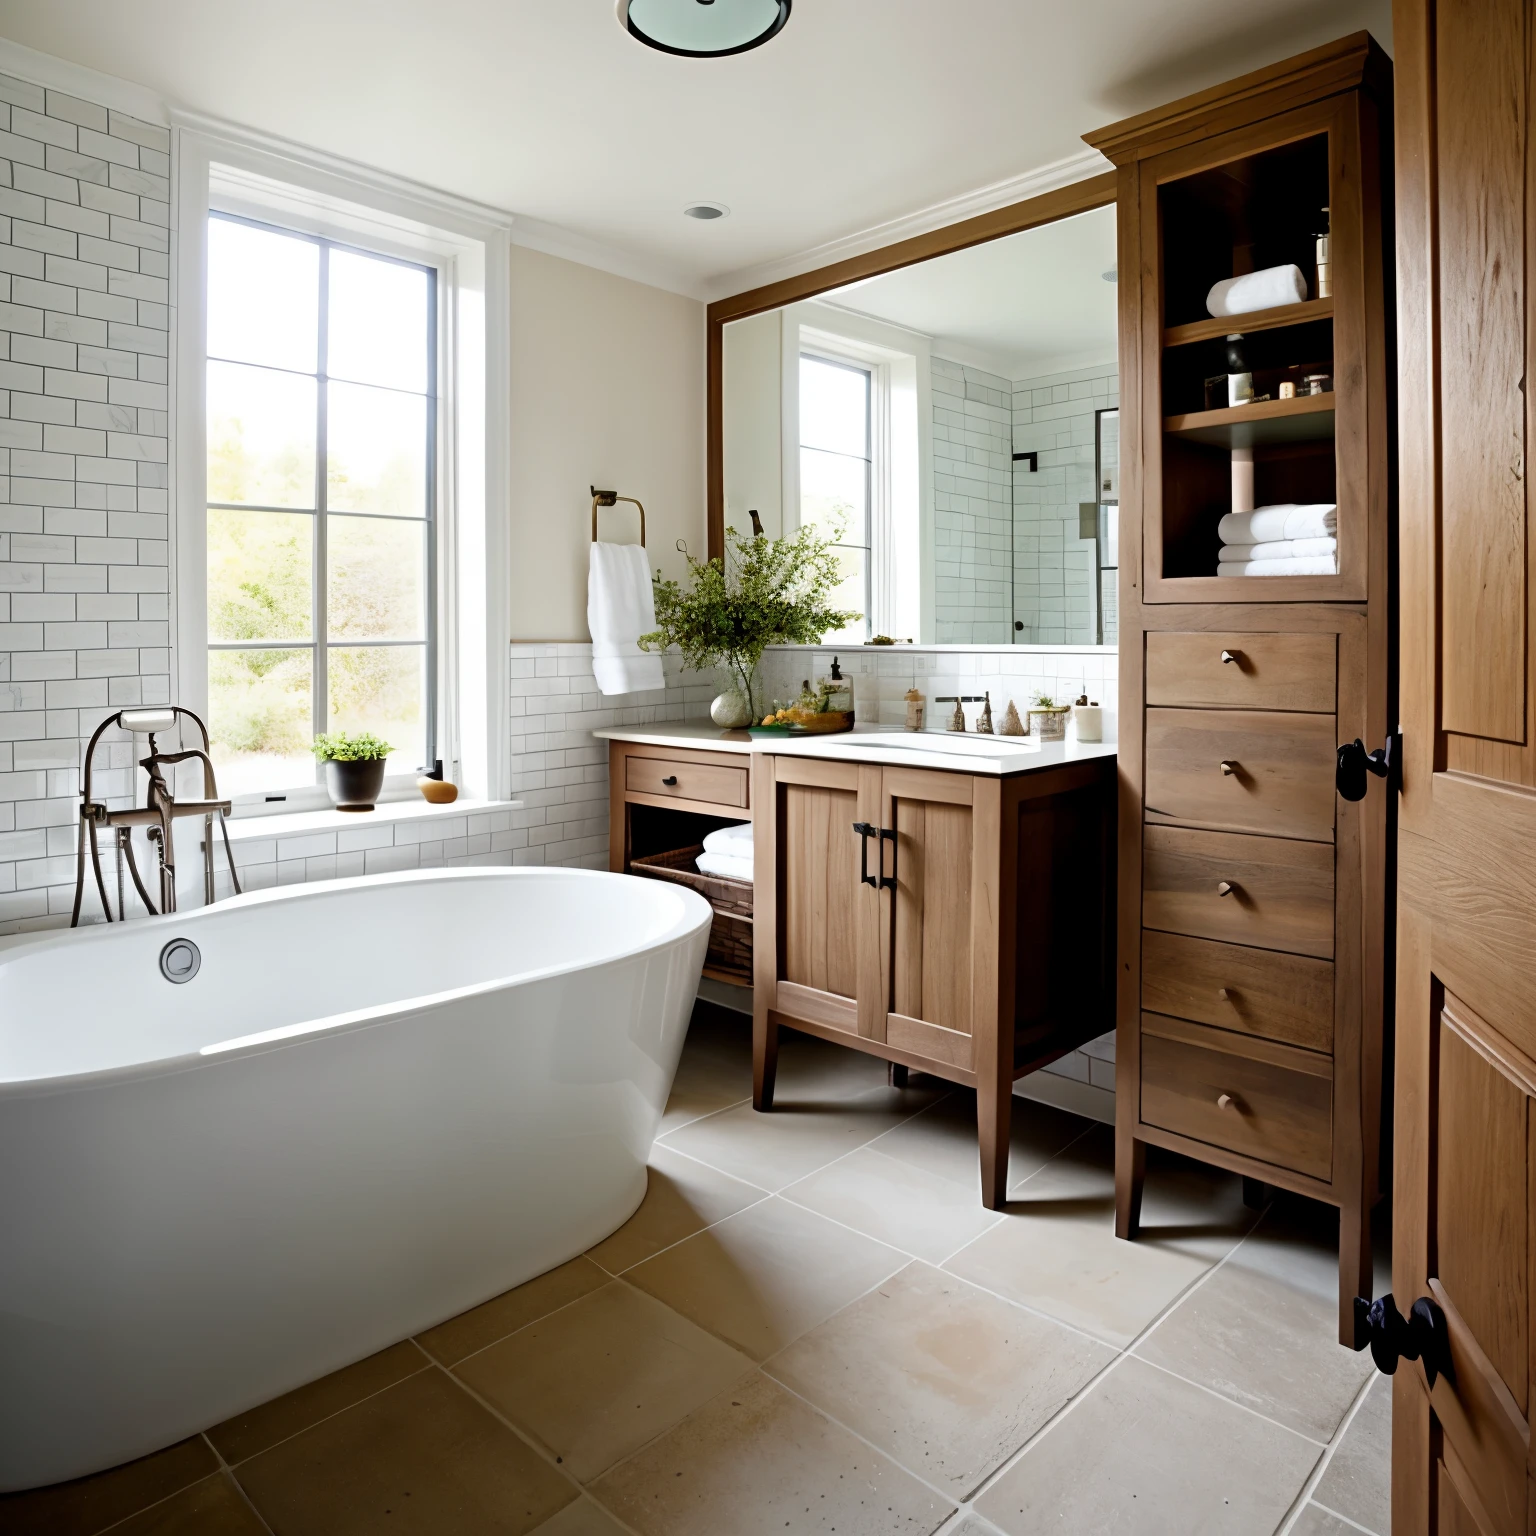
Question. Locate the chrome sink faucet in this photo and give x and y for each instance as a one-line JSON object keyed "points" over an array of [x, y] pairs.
{"points": [[959, 700]]}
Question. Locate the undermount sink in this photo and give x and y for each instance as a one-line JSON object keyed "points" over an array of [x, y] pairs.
{"points": [[949, 741]]}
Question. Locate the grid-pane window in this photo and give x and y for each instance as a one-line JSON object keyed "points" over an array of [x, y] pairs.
{"points": [[835, 474], [322, 414]]}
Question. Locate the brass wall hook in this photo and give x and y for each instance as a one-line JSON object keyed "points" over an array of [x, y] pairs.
{"points": [[608, 499]]}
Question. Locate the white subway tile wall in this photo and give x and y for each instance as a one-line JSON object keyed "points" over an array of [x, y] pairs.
{"points": [[1053, 566], [85, 308], [972, 505]]}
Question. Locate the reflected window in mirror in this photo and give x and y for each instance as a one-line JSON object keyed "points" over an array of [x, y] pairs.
{"points": [[837, 474]]}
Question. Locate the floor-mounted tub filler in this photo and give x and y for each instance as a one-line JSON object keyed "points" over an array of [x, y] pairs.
{"points": [[246, 1145]]}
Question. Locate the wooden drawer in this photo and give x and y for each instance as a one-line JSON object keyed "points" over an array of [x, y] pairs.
{"points": [[1268, 1102], [1241, 770], [1250, 991], [715, 783], [1279, 892], [1291, 672]]}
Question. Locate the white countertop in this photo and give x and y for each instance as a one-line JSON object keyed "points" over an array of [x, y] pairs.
{"points": [[950, 751]]}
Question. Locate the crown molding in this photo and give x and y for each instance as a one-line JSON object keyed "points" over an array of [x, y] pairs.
{"points": [[56, 74], [555, 240], [1045, 178]]}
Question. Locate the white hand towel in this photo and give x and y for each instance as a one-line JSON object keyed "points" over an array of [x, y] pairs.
{"points": [[621, 608], [734, 842], [725, 866], [1252, 291], [1291, 521], [1297, 565], [1280, 549]]}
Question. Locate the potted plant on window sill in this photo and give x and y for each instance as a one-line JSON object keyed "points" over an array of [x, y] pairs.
{"points": [[764, 592], [354, 768]]}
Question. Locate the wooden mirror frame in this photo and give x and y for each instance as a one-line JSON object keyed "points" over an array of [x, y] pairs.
{"points": [[1047, 208]]}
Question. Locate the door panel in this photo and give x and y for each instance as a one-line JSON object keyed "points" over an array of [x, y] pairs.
{"points": [[1466, 1022], [820, 888], [931, 955]]}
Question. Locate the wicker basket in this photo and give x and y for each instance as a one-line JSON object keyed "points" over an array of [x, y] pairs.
{"points": [[730, 935]]}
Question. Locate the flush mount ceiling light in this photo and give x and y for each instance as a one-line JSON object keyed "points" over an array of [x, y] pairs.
{"points": [[703, 29], [706, 211]]}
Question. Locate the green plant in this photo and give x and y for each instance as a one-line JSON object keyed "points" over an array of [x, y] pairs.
{"points": [[339, 747], [1045, 701], [764, 592]]}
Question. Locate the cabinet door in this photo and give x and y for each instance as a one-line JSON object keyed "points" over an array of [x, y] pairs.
{"points": [[938, 919], [823, 913]]}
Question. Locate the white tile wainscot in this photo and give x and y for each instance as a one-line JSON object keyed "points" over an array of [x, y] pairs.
{"points": [[331, 845]]}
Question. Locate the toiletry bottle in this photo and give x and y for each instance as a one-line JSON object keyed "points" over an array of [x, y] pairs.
{"points": [[836, 692], [917, 708], [1239, 375], [984, 721]]}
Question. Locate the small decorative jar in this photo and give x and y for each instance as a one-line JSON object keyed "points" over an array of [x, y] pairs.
{"points": [[1049, 722], [917, 709]]}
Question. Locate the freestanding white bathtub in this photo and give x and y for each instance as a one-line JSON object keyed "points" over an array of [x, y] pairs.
{"points": [[376, 1103]]}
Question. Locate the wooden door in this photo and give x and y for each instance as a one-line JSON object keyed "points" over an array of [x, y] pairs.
{"points": [[814, 946], [1465, 1158], [937, 913]]}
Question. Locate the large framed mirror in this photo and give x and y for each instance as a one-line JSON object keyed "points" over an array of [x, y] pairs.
{"points": [[947, 411]]}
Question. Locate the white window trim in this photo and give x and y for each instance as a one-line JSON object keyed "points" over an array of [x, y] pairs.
{"points": [[821, 328], [230, 170]]}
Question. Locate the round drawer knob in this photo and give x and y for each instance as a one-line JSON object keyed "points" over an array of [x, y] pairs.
{"points": [[1228, 768], [1225, 1101], [1225, 888], [1223, 994], [1228, 657], [671, 779]]}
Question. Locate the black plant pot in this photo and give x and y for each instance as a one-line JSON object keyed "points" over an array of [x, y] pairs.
{"points": [[355, 786]]}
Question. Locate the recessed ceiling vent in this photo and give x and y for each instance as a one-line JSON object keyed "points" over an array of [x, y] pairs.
{"points": [[706, 210], [703, 29]]}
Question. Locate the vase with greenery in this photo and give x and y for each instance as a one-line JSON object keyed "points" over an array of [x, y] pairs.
{"points": [[354, 768], [727, 612]]}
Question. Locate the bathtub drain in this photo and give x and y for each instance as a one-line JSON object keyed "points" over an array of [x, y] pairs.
{"points": [[180, 960]]}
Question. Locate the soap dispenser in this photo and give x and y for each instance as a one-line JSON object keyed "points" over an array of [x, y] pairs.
{"points": [[917, 709], [836, 692]]}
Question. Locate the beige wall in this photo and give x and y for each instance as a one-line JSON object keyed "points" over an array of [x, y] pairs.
{"points": [[607, 390]]}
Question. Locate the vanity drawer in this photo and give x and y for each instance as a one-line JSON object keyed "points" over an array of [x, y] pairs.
{"points": [[1269, 892], [1242, 770], [1268, 1102], [1249, 991], [1290, 672], [716, 783]]}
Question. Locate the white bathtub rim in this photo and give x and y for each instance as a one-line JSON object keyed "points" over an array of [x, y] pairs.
{"points": [[334, 1024]]}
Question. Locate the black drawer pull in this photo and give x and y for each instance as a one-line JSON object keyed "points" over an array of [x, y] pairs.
{"points": [[1421, 1336], [670, 780]]}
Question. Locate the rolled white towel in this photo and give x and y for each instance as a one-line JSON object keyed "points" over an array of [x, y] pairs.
{"points": [[1252, 291], [725, 866], [734, 841], [1297, 565], [1280, 549], [1288, 521]]}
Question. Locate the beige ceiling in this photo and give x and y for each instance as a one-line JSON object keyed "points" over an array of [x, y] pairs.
{"points": [[861, 112]]}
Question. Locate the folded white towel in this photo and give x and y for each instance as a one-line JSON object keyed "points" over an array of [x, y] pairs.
{"points": [[1297, 565], [621, 608], [1280, 549], [735, 842], [1287, 521], [724, 865], [1268, 289]]}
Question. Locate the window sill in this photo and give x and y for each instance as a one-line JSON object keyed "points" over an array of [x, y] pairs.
{"points": [[388, 813]]}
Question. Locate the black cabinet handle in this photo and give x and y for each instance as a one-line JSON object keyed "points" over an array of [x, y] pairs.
{"points": [[865, 831], [1354, 763], [889, 882], [1421, 1336], [671, 779]]}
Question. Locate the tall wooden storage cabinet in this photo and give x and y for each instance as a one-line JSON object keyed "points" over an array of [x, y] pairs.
{"points": [[1254, 901]]}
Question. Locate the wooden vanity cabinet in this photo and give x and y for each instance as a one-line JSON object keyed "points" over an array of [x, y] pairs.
{"points": [[1255, 932], [957, 924]]}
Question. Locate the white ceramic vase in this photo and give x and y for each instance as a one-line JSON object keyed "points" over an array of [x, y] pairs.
{"points": [[731, 711]]}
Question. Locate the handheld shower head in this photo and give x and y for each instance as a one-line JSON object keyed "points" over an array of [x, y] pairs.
{"points": [[146, 722]]}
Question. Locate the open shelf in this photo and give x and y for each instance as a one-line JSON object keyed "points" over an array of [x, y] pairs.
{"points": [[1307, 418], [1258, 320]]}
